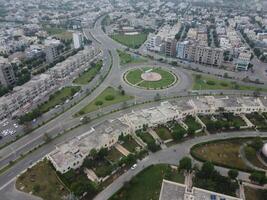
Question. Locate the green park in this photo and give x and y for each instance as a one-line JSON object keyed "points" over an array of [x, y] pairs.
{"points": [[150, 78]]}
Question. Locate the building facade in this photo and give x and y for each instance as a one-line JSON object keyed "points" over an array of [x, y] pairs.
{"points": [[7, 76]]}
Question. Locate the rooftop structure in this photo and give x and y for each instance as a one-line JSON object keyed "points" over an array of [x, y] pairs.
{"points": [[71, 154], [176, 191]]}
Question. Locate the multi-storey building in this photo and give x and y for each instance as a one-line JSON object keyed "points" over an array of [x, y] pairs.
{"points": [[30, 92], [7, 76], [64, 69], [243, 60], [51, 50], [199, 54], [170, 47], [77, 40]]}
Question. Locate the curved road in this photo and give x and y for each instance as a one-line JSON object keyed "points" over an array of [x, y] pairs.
{"points": [[66, 120]]}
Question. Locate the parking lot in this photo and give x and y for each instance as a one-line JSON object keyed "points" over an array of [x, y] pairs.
{"points": [[9, 129]]}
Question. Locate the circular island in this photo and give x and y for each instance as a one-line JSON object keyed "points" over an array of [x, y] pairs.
{"points": [[150, 78]]}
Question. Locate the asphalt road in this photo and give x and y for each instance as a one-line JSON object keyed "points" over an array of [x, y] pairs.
{"points": [[66, 119]]}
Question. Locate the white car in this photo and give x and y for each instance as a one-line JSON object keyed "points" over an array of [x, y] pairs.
{"points": [[134, 166]]}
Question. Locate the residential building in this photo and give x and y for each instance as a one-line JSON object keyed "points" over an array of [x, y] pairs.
{"points": [[51, 49], [71, 154], [7, 76], [194, 52], [243, 60], [64, 69], [23, 96], [180, 49], [177, 191], [77, 40], [170, 47]]}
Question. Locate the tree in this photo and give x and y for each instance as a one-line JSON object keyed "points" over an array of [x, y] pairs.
{"points": [[81, 186], [178, 134], [232, 173], [93, 153], [207, 169], [153, 147], [257, 143], [102, 153], [258, 177], [185, 164]]}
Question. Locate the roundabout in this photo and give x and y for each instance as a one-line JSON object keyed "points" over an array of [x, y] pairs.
{"points": [[150, 78]]}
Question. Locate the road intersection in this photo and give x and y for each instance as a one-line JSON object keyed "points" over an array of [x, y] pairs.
{"points": [[66, 120]]}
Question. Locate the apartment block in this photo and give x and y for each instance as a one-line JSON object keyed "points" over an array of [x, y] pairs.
{"points": [[7, 76]]}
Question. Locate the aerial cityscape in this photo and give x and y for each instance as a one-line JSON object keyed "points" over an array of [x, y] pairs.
{"points": [[133, 100]]}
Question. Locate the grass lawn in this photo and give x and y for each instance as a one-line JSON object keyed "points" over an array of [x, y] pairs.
{"points": [[59, 97], [192, 124], [131, 41], [175, 126], [59, 33], [205, 119], [146, 137], [89, 74], [102, 100], [130, 144], [222, 152], [207, 82], [114, 155], [147, 184], [126, 58], [234, 120], [251, 156], [42, 181], [257, 120], [255, 194], [134, 77], [102, 168], [163, 133]]}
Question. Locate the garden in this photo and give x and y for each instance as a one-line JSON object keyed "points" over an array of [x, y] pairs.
{"points": [[147, 184], [150, 78], [108, 97], [223, 153]]}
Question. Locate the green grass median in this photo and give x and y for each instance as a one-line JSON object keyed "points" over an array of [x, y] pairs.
{"points": [[108, 97]]}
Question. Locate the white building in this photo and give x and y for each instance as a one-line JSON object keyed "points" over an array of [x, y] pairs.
{"points": [[176, 191], [71, 154], [243, 60], [77, 40]]}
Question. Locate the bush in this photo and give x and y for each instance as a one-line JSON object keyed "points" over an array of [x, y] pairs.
{"points": [[211, 83], [109, 97], [152, 146], [224, 84], [99, 103]]}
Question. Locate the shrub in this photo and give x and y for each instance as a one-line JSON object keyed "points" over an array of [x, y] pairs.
{"points": [[109, 97], [99, 103], [210, 82]]}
